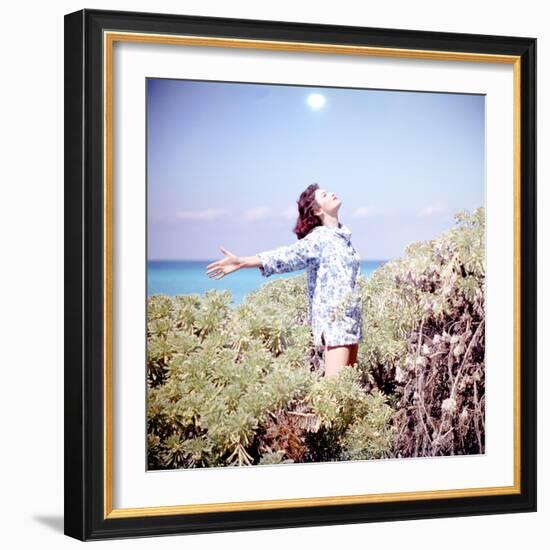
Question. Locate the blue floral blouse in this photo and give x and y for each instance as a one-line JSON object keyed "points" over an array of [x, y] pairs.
{"points": [[333, 265]]}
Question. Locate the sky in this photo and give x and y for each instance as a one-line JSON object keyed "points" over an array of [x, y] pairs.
{"points": [[227, 161]]}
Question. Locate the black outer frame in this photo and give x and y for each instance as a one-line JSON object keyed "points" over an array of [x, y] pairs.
{"points": [[83, 306]]}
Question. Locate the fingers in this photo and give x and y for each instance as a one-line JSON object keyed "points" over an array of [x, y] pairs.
{"points": [[213, 264], [215, 269], [215, 273], [218, 262]]}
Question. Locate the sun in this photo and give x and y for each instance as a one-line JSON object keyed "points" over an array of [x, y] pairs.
{"points": [[316, 101]]}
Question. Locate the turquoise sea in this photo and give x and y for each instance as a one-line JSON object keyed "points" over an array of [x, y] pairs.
{"points": [[173, 277]]}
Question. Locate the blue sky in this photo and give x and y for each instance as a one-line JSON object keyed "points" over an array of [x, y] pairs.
{"points": [[226, 163]]}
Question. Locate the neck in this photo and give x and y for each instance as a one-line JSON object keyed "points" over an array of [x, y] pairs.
{"points": [[331, 221]]}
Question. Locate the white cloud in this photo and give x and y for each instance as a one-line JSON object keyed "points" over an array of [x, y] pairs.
{"points": [[207, 214], [434, 209], [252, 214], [368, 211], [262, 212], [258, 213]]}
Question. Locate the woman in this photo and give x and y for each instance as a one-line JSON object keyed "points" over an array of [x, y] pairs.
{"points": [[324, 248]]}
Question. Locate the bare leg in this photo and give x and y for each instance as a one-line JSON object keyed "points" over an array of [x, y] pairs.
{"points": [[337, 357]]}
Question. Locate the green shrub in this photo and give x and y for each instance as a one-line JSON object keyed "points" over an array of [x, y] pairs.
{"points": [[243, 385], [425, 345]]}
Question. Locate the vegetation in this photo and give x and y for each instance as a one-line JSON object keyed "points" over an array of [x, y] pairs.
{"points": [[244, 385]]}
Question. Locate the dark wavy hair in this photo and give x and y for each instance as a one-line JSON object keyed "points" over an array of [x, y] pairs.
{"points": [[307, 220]]}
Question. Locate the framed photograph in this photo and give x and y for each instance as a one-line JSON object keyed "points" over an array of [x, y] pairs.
{"points": [[300, 274]]}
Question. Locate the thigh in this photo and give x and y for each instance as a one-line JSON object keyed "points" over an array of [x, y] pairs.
{"points": [[336, 357], [338, 354], [347, 352]]}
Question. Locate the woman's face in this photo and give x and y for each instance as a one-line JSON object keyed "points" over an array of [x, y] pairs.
{"points": [[328, 202]]}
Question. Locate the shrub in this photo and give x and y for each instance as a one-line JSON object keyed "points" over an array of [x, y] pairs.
{"points": [[425, 320], [243, 385]]}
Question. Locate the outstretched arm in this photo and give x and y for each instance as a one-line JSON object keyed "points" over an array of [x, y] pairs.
{"points": [[249, 261], [288, 258], [279, 260], [229, 264]]}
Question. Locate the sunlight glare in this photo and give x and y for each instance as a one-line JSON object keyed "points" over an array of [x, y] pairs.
{"points": [[316, 101]]}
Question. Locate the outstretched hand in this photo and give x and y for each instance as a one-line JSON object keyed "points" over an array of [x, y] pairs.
{"points": [[223, 267]]}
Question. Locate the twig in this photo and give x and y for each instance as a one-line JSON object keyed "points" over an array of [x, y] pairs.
{"points": [[418, 392], [476, 418], [473, 339]]}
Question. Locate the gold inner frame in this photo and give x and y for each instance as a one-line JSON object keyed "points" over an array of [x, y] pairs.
{"points": [[109, 38]]}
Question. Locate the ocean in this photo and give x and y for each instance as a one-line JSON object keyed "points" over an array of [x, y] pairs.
{"points": [[173, 277]]}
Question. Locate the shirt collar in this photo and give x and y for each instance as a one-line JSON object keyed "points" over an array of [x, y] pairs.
{"points": [[342, 230]]}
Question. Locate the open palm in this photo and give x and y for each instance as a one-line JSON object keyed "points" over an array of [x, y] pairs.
{"points": [[222, 267]]}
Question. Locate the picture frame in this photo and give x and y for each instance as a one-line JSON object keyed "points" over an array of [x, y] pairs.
{"points": [[91, 295]]}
